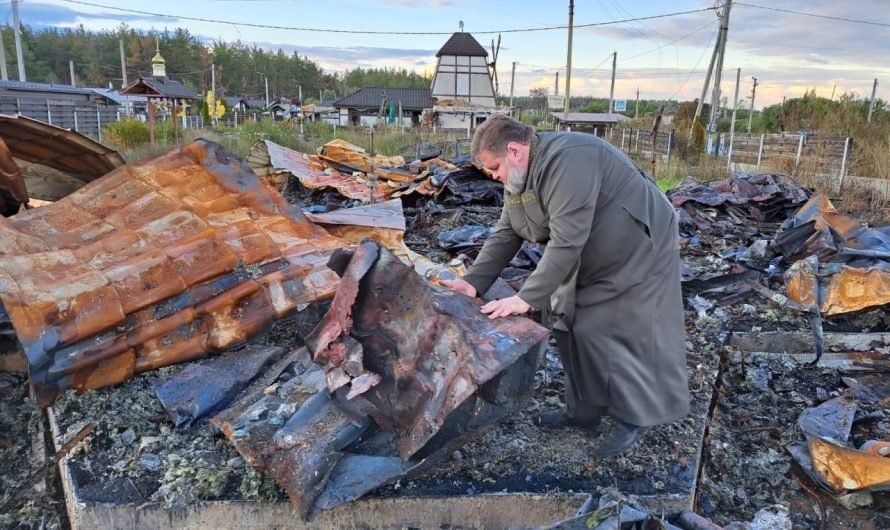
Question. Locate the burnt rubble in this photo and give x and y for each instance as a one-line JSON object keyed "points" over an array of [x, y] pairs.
{"points": [[340, 370]]}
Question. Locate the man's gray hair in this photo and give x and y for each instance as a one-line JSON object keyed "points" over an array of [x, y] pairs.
{"points": [[496, 132]]}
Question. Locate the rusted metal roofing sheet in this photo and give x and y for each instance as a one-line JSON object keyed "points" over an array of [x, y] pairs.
{"points": [[406, 353], [13, 192], [385, 224], [156, 263], [843, 265], [62, 149], [344, 167], [423, 362], [273, 162]]}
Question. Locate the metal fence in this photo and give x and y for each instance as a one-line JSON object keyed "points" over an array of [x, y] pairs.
{"points": [[85, 117]]}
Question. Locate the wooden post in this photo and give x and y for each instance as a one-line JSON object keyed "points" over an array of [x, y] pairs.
{"points": [[670, 145], [151, 121], [799, 152], [623, 136], [760, 151], [175, 128], [843, 174]]}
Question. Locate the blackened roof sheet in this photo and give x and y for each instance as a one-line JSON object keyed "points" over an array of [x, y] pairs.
{"points": [[159, 86], [44, 87], [462, 44], [371, 97]]}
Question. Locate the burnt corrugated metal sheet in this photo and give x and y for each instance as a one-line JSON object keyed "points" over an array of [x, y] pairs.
{"points": [[423, 362], [406, 353], [62, 149], [13, 192], [154, 264], [843, 265]]}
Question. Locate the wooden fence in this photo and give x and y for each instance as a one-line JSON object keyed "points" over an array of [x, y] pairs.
{"points": [[793, 153], [85, 117], [641, 143]]}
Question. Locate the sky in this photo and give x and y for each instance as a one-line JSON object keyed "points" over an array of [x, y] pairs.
{"points": [[663, 57]]}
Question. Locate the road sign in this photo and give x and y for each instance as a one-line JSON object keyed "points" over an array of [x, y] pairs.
{"points": [[620, 105], [555, 102]]}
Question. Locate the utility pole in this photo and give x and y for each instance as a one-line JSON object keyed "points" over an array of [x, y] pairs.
{"points": [[871, 106], [512, 82], [213, 90], [735, 107], [704, 89], [715, 98], [612, 89], [556, 88], [124, 76], [17, 30], [3, 73], [266, 79], [71, 67], [751, 109], [565, 107], [637, 107]]}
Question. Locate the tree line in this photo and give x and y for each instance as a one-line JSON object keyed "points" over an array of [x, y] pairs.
{"points": [[241, 69]]}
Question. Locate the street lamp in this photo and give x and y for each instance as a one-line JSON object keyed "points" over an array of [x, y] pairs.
{"points": [[266, 79]]}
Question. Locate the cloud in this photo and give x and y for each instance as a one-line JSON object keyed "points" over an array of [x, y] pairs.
{"points": [[48, 15]]}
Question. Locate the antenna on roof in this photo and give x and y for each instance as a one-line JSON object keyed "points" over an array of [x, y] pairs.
{"points": [[461, 24]]}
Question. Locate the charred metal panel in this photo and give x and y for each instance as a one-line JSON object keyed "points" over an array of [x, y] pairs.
{"points": [[431, 347], [13, 192], [844, 265], [424, 363], [203, 388], [156, 263], [62, 149]]}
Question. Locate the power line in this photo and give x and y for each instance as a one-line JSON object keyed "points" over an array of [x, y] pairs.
{"points": [[588, 70], [829, 17], [370, 32], [705, 49], [696, 30]]}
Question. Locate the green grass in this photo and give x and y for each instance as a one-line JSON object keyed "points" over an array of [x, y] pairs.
{"points": [[665, 184]]}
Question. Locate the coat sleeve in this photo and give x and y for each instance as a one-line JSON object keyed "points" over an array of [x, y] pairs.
{"points": [[496, 253], [568, 191]]}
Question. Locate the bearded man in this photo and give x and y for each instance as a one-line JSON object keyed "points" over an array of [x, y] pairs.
{"points": [[609, 276]]}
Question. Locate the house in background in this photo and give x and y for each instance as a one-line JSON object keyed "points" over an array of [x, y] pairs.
{"points": [[160, 88], [79, 109], [235, 104], [370, 105], [462, 73], [463, 86], [597, 122]]}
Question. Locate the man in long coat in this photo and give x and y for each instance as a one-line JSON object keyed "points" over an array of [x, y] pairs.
{"points": [[609, 274]]}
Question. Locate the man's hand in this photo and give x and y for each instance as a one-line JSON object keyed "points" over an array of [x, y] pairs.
{"points": [[460, 286], [506, 307]]}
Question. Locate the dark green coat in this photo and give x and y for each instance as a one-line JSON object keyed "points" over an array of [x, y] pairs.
{"points": [[610, 273]]}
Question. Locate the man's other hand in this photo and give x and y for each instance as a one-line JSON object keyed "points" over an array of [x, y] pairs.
{"points": [[506, 307], [460, 286]]}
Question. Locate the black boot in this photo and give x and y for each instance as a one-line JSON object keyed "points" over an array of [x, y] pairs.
{"points": [[620, 438], [559, 418]]}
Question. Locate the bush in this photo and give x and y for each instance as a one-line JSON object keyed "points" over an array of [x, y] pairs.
{"points": [[126, 133]]}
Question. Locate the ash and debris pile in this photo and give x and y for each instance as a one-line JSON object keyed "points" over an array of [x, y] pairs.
{"points": [[321, 305]]}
